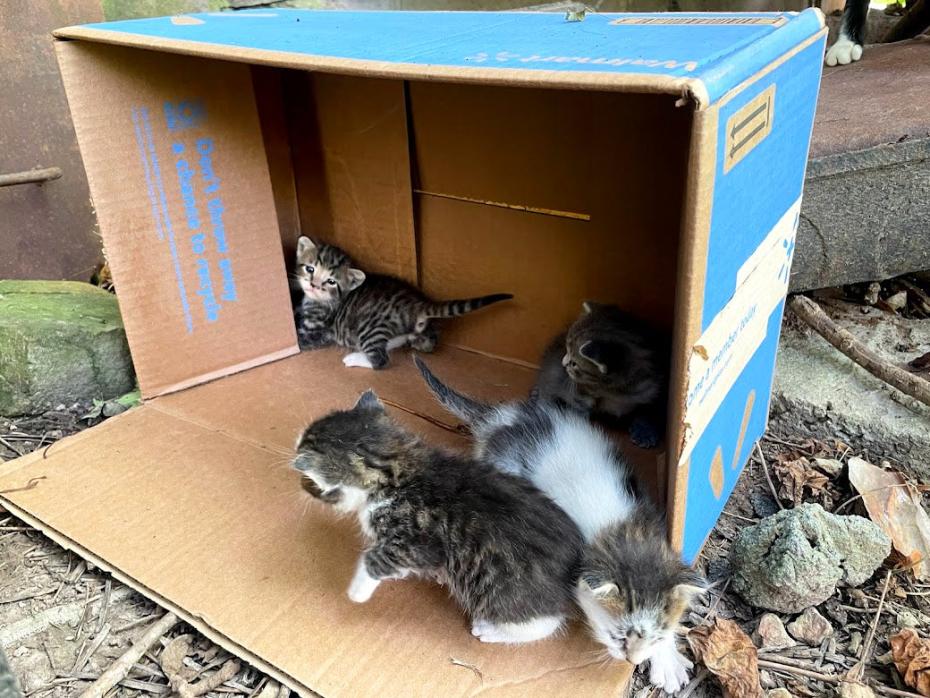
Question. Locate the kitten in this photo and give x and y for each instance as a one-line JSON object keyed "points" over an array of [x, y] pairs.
{"points": [[611, 364], [632, 587], [371, 314], [506, 552]]}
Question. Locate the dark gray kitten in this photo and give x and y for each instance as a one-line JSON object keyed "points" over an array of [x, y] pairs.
{"points": [[506, 552], [610, 364], [632, 587], [368, 313]]}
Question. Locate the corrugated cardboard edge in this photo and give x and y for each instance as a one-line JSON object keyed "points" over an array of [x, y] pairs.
{"points": [[222, 372], [689, 303], [689, 89], [70, 544], [696, 232]]}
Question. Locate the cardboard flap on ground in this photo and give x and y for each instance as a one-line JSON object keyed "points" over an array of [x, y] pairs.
{"points": [[653, 161]]}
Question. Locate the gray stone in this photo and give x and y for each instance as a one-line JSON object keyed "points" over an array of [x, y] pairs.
{"points": [[796, 558], [770, 634], [60, 342], [818, 391], [810, 628], [865, 209]]}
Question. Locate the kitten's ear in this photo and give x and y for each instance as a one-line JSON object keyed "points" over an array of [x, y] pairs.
{"points": [[369, 400], [600, 588], [305, 246], [356, 278], [690, 586]]}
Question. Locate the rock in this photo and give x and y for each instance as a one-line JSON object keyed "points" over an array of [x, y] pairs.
{"points": [[771, 633], [822, 393], [60, 342], [765, 679], [779, 693], [907, 619], [763, 504], [811, 628], [848, 689], [829, 466], [835, 612], [796, 558]]}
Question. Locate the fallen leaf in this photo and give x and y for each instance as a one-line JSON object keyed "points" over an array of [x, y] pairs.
{"points": [[894, 504], [911, 654], [796, 477], [728, 654]]}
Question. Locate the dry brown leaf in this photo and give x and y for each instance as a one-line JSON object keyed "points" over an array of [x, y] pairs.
{"points": [[895, 506], [728, 654], [911, 655], [795, 477]]}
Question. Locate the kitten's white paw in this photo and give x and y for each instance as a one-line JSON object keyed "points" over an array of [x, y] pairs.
{"points": [[363, 585], [669, 671], [356, 359], [844, 51]]}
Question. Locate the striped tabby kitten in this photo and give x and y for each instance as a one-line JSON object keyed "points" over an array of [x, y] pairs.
{"points": [[505, 551], [371, 314], [632, 587], [611, 364]]}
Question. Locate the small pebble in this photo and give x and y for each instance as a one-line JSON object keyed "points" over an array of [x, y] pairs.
{"points": [[765, 679], [831, 607], [855, 642], [771, 633], [779, 693], [811, 628], [906, 619]]}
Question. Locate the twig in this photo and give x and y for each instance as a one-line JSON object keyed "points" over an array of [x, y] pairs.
{"points": [[889, 691], [694, 683], [92, 650], [907, 383], [104, 610], [27, 595], [121, 667], [857, 671], [788, 669], [768, 477], [11, 447], [134, 624]]}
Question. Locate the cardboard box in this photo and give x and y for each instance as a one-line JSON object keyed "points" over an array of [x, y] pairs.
{"points": [[655, 161]]}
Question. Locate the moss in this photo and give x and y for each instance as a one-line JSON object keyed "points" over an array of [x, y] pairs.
{"points": [[59, 342]]}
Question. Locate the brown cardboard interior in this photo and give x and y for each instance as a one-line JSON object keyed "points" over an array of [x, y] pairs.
{"points": [[190, 499], [556, 196]]}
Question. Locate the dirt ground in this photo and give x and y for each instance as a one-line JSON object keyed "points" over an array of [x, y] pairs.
{"points": [[62, 623]]}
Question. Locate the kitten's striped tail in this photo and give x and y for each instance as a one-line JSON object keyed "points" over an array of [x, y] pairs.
{"points": [[465, 408], [447, 309]]}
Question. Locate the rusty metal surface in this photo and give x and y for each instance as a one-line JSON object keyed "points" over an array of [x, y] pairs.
{"points": [[47, 230]]}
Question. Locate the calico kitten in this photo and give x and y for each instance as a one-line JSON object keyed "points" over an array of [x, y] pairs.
{"points": [[506, 552], [371, 314], [612, 364], [632, 587]]}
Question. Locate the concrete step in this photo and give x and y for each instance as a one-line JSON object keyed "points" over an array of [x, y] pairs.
{"points": [[866, 210]]}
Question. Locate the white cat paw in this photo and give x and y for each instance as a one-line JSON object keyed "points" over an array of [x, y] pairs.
{"points": [[516, 633], [356, 359], [843, 52], [363, 585], [669, 672]]}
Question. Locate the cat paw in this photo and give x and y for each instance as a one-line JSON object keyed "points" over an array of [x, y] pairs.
{"points": [[363, 585], [643, 433], [669, 671], [356, 359], [844, 51]]}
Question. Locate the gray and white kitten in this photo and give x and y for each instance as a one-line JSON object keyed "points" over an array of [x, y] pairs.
{"points": [[632, 587], [611, 364], [371, 314], [505, 551]]}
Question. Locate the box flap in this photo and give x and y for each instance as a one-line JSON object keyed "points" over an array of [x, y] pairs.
{"points": [[176, 164], [701, 54], [190, 500]]}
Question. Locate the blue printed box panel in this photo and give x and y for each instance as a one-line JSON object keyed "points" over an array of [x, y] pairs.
{"points": [[717, 49], [761, 154]]}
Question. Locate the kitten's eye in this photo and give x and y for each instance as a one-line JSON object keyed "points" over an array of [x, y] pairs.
{"points": [[330, 282], [308, 268]]}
